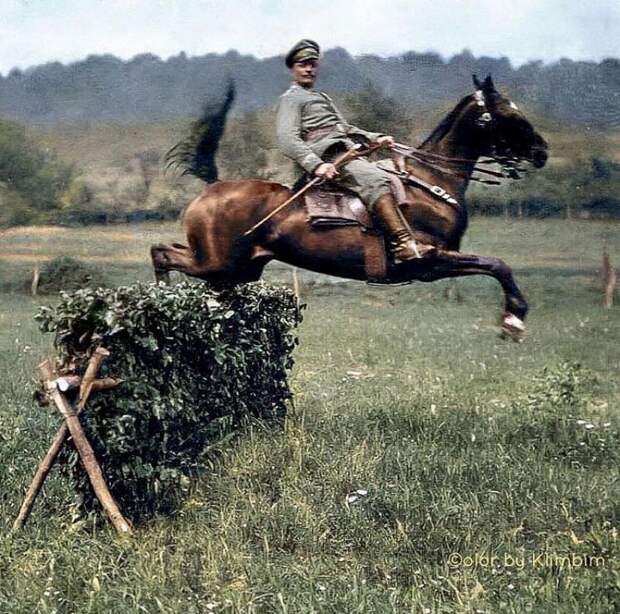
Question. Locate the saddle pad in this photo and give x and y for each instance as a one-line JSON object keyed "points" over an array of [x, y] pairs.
{"points": [[328, 209]]}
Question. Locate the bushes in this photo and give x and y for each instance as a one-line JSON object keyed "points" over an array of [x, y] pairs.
{"points": [[196, 363], [66, 273], [34, 184]]}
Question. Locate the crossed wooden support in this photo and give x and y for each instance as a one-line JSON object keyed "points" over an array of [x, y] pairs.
{"points": [[56, 389]]}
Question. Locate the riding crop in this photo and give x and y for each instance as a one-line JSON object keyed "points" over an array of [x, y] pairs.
{"points": [[347, 156]]}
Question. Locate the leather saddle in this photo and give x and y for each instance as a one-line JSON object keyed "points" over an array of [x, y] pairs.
{"points": [[330, 205]]}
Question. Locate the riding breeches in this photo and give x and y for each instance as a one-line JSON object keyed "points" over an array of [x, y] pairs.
{"points": [[365, 179]]}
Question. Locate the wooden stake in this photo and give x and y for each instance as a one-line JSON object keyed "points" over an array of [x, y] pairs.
{"points": [[39, 477], [34, 287], [98, 356], [609, 280], [48, 461], [65, 383], [105, 383], [72, 426], [296, 284], [86, 453]]}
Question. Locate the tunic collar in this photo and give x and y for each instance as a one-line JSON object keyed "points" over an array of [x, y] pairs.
{"points": [[295, 85]]}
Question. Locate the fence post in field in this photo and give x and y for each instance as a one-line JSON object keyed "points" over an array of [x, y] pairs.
{"points": [[34, 287], [609, 280], [296, 284]]}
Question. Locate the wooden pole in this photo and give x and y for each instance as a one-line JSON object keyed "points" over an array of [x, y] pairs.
{"points": [[63, 384], [39, 477], [94, 364], [34, 287], [609, 280], [296, 284], [49, 460], [86, 453]]}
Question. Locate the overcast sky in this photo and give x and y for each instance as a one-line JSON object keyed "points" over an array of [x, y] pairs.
{"points": [[38, 31]]}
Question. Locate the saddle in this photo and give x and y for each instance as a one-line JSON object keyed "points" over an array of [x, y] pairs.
{"points": [[331, 206]]}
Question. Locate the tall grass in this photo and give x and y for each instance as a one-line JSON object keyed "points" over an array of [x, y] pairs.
{"points": [[426, 466]]}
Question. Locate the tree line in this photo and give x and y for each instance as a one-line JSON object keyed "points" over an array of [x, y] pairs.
{"points": [[37, 187], [146, 88]]}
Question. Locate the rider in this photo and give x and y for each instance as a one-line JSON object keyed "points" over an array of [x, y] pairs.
{"points": [[311, 130]]}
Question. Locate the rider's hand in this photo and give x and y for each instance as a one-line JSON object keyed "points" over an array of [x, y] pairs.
{"points": [[385, 140], [327, 170]]}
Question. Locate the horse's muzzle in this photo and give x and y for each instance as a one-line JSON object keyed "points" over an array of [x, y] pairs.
{"points": [[539, 156]]}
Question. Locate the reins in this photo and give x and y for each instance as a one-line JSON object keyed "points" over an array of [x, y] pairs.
{"points": [[434, 161]]}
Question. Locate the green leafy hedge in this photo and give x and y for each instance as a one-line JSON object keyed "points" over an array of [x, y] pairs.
{"points": [[196, 362], [67, 273]]}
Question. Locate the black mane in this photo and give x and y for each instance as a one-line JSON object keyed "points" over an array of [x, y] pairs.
{"points": [[446, 123]]}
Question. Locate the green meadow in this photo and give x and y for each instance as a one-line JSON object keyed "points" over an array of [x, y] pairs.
{"points": [[425, 466]]}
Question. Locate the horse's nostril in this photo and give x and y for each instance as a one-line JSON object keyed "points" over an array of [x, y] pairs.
{"points": [[539, 158]]}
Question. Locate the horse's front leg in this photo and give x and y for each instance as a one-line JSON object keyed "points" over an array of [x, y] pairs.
{"points": [[455, 264]]}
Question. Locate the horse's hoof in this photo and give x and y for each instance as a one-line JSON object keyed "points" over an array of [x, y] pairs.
{"points": [[513, 327], [162, 276]]}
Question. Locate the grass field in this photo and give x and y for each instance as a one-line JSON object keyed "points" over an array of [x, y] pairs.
{"points": [[427, 465]]}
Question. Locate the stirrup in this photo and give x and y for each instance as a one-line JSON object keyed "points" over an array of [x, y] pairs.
{"points": [[401, 245]]}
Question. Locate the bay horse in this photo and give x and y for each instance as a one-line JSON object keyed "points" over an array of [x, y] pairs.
{"points": [[484, 123]]}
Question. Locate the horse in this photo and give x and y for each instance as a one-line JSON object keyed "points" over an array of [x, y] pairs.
{"points": [[220, 250]]}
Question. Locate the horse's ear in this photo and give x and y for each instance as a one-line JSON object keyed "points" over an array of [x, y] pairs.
{"points": [[477, 83], [488, 85]]}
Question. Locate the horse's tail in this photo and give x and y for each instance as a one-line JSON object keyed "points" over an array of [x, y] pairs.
{"points": [[196, 153]]}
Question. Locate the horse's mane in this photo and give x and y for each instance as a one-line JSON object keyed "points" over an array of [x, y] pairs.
{"points": [[446, 123], [196, 153]]}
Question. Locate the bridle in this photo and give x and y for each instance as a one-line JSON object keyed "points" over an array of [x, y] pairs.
{"points": [[509, 164]]}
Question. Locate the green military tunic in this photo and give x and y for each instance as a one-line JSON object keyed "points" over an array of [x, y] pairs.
{"points": [[304, 111]]}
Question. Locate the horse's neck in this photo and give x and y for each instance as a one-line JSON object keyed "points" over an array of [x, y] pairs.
{"points": [[453, 143]]}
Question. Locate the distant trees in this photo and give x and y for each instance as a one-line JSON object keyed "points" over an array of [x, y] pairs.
{"points": [[146, 88], [33, 182], [583, 188], [148, 161], [371, 110], [244, 150]]}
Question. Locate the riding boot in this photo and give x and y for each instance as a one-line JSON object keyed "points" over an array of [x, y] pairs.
{"points": [[401, 243]]}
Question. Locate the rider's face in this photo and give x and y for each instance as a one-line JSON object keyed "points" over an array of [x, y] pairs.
{"points": [[305, 73]]}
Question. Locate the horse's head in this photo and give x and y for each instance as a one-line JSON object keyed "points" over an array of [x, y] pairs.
{"points": [[507, 132]]}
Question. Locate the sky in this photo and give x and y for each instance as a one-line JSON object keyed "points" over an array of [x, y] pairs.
{"points": [[38, 31]]}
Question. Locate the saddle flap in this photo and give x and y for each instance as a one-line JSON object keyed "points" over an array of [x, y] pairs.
{"points": [[335, 208]]}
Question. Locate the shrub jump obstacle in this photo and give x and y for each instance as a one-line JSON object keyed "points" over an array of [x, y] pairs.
{"points": [[182, 367]]}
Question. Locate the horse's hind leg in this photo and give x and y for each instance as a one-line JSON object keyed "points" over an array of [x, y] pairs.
{"points": [[175, 257]]}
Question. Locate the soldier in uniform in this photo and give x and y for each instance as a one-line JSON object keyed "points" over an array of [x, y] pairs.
{"points": [[311, 130]]}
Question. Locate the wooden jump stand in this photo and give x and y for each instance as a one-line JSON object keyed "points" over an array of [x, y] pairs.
{"points": [[55, 391]]}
